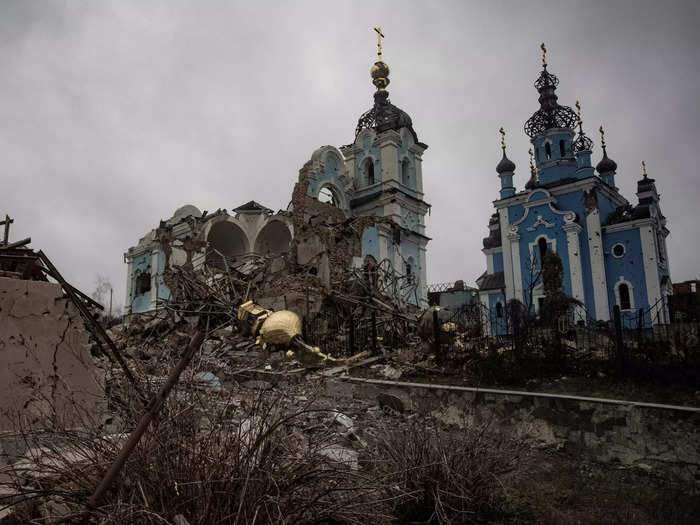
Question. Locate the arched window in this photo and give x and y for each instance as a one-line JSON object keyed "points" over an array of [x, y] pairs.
{"points": [[410, 277], [562, 149], [369, 168], [548, 150], [404, 172], [143, 282], [499, 310], [327, 196], [625, 300], [542, 246]]}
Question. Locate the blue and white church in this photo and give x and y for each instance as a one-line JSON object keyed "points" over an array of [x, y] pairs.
{"points": [[612, 252]]}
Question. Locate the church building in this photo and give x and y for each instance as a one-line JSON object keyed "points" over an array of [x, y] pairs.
{"points": [[378, 175], [612, 252]]}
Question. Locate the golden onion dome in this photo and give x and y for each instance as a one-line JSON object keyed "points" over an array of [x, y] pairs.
{"points": [[380, 74]]}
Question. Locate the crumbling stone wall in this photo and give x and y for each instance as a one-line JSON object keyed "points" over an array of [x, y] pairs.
{"points": [[649, 436], [46, 369]]}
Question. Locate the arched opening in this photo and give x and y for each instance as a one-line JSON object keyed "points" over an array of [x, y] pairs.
{"points": [[273, 239], [562, 149], [542, 246], [625, 299], [328, 196], [410, 267], [143, 282], [404, 172], [548, 150], [499, 310], [225, 239], [369, 172]]}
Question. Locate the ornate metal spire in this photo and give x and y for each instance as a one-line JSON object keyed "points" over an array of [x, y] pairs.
{"points": [[380, 71], [544, 55], [503, 138], [383, 115], [581, 142], [533, 167], [551, 114], [644, 169]]}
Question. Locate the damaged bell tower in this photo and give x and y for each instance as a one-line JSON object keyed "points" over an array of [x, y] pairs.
{"points": [[379, 175]]}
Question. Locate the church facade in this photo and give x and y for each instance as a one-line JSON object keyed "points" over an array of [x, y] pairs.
{"points": [[612, 252], [378, 175]]}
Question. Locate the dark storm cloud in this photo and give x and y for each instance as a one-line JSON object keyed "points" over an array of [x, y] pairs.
{"points": [[113, 114]]}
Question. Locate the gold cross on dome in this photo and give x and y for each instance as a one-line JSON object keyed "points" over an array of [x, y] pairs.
{"points": [[503, 138], [380, 35], [578, 112], [644, 169], [544, 54], [602, 136]]}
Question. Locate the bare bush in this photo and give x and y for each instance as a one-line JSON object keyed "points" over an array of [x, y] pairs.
{"points": [[436, 475], [209, 458]]}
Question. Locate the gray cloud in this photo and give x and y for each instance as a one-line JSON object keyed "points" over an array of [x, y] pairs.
{"points": [[114, 114]]}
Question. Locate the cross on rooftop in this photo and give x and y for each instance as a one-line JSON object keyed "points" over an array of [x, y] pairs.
{"points": [[6, 222]]}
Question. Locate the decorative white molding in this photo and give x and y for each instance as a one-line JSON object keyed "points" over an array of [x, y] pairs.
{"points": [[630, 225], [540, 222], [507, 255], [489, 263], [595, 247], [651, 266], [569, 216], [575, 271], [514, 239], [621, 280]]}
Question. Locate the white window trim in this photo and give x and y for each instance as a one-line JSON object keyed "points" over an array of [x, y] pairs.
{"points": [[549, 240], [619, 282], [624, 250]]}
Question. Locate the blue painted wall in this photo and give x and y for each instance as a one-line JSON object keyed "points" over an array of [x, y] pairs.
{"points": [[630, 266], [498, 262]]}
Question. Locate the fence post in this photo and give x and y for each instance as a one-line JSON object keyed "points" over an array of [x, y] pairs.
{"points": [[374, 331], [436, 337], [640, 326], [351, 334], [619, 349]]}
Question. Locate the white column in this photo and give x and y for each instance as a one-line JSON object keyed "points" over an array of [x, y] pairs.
{"points": [[154, 279], [651, 265], [514, 241], [489, 262], [388, 142], [507, 256], [600, 284], [423, 292], [572, 240], [129, 273], [485, 314]]}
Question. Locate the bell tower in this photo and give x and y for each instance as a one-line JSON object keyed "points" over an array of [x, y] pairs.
{"points": [[385, 161]]}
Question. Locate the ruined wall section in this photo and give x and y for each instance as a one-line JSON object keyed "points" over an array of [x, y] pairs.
{"points": [[46, 370]]}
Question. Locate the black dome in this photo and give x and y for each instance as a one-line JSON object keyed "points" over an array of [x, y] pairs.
{"points": [[606, 164], [505, 165], [384, 116]]}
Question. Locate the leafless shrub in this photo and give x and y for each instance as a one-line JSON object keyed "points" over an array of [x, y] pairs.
{"points": [[434, 475], [209, 457]]}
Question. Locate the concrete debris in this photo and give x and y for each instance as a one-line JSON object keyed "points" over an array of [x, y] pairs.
{"points": [[391, 373], [209, 381]]}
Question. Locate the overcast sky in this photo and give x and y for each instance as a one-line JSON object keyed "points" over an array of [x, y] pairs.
{"points": [[113, 114]]}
